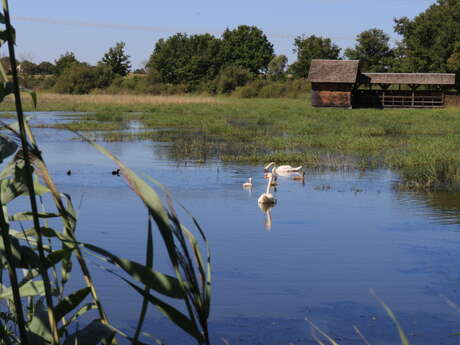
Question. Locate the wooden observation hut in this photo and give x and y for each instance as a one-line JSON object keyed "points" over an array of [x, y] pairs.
{"points": [[339, 83], [333, 82]]}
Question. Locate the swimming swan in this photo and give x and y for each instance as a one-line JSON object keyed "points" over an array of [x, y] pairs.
{"points": [[274, 176], [267, 197], [282, 169], [248, 184]]}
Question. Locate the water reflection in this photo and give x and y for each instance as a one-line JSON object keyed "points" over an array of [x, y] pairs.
{"points": [[442, 207], [267, 209]]}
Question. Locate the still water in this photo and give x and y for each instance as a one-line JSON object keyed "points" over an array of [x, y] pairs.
{"points": [[329, 240]]}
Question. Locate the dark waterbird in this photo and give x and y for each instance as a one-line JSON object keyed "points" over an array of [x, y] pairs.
{"points": [[116, 172], [69, 172]]}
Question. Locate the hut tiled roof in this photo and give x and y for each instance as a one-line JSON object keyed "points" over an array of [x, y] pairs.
{"points": [[333, 71], [408, 78]]}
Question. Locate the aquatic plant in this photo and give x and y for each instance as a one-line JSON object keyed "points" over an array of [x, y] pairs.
{"points": [[317, 333], [39, 259]]}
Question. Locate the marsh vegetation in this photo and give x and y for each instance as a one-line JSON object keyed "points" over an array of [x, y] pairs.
{"points": [[421, 144]]}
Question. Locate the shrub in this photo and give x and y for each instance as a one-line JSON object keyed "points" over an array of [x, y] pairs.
{"points": [[267, 89], [81, 78], [250, 90], [231, 77]]}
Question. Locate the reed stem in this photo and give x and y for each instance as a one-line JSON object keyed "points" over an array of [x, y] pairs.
{"points": [[28, 174]]}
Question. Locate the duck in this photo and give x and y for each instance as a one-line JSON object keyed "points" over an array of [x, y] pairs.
{"points": [[116, 172], [282, 169], [248, 184], [267, 197], [299, 177], [69, 172]]}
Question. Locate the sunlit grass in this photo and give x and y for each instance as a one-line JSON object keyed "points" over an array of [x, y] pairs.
{"points": [[54, 101]]}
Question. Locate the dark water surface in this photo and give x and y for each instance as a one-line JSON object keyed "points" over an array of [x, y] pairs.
{"points": [[331, 240]]}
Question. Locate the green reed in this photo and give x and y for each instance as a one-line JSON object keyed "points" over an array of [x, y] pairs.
{"points": [[39, 258]]}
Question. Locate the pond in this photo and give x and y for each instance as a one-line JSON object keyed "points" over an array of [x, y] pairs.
{"points": [[327, 242]]}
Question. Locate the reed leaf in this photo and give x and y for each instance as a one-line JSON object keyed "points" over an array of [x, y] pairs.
{"points": [[28, 289], [148, 264], [80, 312], [70, 302], [39, 326], [51, 260], [324, 334], [402, 335], [92, 334], [162, 283], [170, 312], [45, 232], [22, 256], [132, 340], [28, 216]]}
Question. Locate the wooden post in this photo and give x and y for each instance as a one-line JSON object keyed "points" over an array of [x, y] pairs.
{"points": [[413, 88], [384, 87]]}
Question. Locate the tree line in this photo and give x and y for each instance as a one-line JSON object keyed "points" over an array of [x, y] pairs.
{"points": [[244, 56]]}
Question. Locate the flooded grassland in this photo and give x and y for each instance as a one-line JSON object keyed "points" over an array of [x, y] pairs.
{"points": [[344, 229], [420, 144]]}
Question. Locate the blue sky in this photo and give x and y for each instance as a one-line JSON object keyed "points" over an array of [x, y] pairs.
{"points": [[47, 29]]}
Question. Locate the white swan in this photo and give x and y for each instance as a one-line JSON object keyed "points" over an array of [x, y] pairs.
{"points": [[248, 184], [282, 169], [275, 179], [267, 197], [272, 175]]}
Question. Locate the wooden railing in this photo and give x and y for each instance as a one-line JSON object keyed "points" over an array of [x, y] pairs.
{"points": [[398, 99]]}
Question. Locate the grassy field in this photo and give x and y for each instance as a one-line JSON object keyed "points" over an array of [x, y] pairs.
{"points": [[422, 144]]}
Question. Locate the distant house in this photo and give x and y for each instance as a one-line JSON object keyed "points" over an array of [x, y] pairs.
{"points": [[339, 83], [332, 82]]}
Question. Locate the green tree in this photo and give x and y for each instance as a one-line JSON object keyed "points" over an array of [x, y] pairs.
{"points": [[117, 59], [453, 62], [248, 47], [309, 48], [183, 59], [46, 67], [27, 68], [277, 68], [373, 50], [428, 41], [65, 61]]}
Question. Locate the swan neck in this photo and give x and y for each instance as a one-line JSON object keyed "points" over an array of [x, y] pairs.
{"points": [[269, 183], [269, 165]]}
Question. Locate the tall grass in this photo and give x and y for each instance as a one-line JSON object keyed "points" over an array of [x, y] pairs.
{"points": [[39, 259], [54, 101]]}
